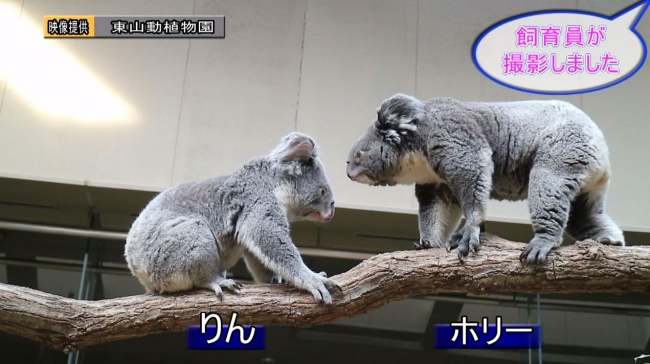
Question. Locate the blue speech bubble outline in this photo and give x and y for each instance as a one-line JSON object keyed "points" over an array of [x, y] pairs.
{"points": [[609, 18]]}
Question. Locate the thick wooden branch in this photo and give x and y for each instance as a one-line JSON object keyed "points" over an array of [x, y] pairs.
{"points": [[69, 325]]}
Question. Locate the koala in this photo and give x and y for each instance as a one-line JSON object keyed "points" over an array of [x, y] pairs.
{"points": [[459, 155], [189, 235]]}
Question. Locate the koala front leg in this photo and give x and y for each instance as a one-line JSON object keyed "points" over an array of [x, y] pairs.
{"points": [[260, 273], [265, 235], [438, 215], [468, 173]]}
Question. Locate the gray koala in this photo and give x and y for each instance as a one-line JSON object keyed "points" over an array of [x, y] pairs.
{"points": [[461, 154], [190, 235]]}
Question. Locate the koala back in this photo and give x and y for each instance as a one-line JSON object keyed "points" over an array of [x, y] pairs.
{"points": [[409, 138], [291, 178]]}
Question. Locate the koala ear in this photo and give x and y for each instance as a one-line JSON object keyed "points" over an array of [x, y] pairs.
{"points": [[381, 121], [400, 113], [295, 147], [409, 123]]}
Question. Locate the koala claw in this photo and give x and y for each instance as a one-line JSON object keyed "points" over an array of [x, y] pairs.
{"points": [[333, 286], [219, 284], [329, 283], [219, 292], [231, 285], [276, 280], [466, 239], [536, 252], [320, 287], [320, 293], [422, 244]]}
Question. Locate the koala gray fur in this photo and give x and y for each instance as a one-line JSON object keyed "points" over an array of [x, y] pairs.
{"points": [[189, 235], [461, 154]]}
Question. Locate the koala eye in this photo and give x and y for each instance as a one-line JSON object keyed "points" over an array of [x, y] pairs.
{"points": [[358, 154], [322, 192]]}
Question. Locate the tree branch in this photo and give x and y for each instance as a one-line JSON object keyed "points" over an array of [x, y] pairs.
{"points": [[69, 325]]}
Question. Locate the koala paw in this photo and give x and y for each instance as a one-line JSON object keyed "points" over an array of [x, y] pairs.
{"points": [[608, 241], [320, 287], [323, 274], [222, 283], [428, 244], [536, 252], [466, 239], [276, 280], [422, 244]]}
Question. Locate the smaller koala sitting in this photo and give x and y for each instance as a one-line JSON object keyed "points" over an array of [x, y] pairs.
{"points": [[461, 154], [189, 235]]}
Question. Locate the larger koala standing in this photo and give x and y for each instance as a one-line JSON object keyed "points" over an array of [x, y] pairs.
{"points": [[190, 235], [461, 154]]}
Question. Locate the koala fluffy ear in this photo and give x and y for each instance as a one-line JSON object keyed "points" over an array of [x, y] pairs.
{"points": [[295, 147], [410, 123], [399, 115], [381, 121]]}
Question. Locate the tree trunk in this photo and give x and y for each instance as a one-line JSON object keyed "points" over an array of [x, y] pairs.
{"points": [[69, 325]]}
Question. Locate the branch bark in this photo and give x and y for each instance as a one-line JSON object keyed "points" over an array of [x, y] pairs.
{"points": [[69, 325]]}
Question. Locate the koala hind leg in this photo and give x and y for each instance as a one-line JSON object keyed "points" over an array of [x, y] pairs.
{"points": [[146, 283], [141, 275], [188, 258], [549, 200], [588, 220]]}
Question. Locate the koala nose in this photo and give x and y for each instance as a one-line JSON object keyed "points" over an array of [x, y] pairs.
{"points": [[348, 173]]}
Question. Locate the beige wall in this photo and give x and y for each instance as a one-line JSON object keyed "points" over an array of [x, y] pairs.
{"points": [[154, 113]]}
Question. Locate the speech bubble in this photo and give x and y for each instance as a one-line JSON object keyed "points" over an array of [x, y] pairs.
{"points": [[562, 52]]}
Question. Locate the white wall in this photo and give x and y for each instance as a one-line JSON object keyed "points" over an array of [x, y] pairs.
{"points": [[153, 113]]}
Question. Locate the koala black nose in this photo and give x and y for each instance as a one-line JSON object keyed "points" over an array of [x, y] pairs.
{"points": [[350, 177]]}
